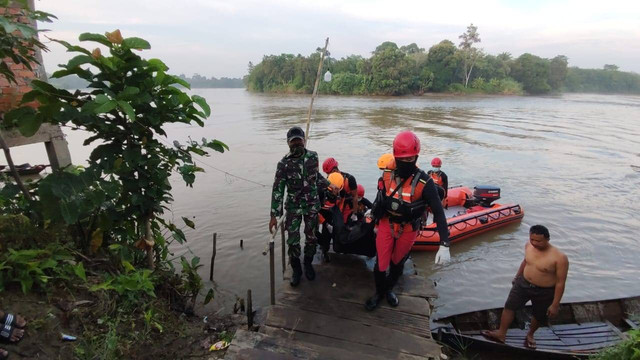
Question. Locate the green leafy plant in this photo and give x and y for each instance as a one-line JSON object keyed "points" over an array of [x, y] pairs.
{"points": [[131, 286], [628, 349], [36, 267], [19, 39], [126, 185]]}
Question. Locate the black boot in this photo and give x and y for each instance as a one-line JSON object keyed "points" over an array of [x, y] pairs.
{"points": [[308, 268], [380, 279], [394, 274], [297, 271]]}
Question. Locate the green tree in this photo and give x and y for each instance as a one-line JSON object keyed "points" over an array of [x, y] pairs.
{"points": [[442, 62], [411, 49], [384, 46], [126, 185], [469, 53], [610, 67], [532, 71], [494, 67], [557, 71], [391, 71]]}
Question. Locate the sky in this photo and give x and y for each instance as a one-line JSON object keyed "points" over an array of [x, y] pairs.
{"points": [[219, 38]]}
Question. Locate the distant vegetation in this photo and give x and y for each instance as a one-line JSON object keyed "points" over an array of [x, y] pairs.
{"points": [[445, 67], [196, 81], [199, 81]]}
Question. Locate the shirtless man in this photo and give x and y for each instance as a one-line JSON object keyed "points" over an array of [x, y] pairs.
{"points": [[541, 279]]}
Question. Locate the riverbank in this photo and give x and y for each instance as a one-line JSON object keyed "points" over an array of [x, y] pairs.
{"points": [[99, 306], [119, 335]]}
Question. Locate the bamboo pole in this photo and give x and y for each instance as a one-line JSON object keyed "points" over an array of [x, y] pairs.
{"points": [[315, 89], [213, 256]]}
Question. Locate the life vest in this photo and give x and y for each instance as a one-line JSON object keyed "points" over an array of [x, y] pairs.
{"points": [[406, 204], [437, 177]]}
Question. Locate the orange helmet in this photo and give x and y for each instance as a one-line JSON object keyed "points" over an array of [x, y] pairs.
{"points": [[387, 161], [336, 179]]}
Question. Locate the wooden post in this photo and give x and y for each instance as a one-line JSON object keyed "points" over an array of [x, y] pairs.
{"points": [[149, 241], [213, 256], [12, 167], [272, 276], [249, 310], [315, 89], [284, 258]]}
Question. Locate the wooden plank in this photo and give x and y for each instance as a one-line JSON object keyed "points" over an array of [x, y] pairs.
{"points": [[558, 346], [331, 278], [300, 350], [569, 327], [237, 353], [631, 323], [340, 345], [593, 347], [353, 293], [389, 317], [350, 330], [46, 132]]}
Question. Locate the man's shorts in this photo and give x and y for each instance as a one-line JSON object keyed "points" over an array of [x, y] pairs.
{"points": [[523, 291]]}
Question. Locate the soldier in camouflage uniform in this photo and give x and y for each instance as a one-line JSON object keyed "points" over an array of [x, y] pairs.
{"points": [[298, 173]]}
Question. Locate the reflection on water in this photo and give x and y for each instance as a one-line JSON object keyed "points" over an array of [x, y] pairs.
{"points": [[570, 161]]}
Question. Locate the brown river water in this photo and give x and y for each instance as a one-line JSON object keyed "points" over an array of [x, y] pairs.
{"points": [[571, 161]]}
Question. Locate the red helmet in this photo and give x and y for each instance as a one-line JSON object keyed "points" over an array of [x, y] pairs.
{"points": [[406, 144], [436, 162], [329, 164], [360, 191]]}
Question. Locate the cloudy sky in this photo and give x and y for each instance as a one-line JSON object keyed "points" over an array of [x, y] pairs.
{"points": [[219, 38]]}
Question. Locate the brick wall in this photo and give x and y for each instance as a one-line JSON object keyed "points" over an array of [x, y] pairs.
{"points": [[11, 93]]}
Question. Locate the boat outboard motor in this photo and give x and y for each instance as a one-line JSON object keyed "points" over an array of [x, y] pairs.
{"points": [[484, 195]]}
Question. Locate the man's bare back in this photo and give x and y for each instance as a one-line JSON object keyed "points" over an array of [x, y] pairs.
{"points": [[541, 263]]}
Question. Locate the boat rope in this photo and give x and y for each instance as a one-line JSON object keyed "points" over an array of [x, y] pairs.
{"points": [[213, 167], [493, 215], [200, 160]]}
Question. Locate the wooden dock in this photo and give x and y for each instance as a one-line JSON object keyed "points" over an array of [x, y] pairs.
{"points": [[326, 319]]}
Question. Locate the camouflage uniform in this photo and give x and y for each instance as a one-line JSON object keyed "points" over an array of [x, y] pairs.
{"points": [[300, 176]]}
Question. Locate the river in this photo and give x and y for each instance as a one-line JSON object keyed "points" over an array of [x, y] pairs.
{"points": [[572, 162]]}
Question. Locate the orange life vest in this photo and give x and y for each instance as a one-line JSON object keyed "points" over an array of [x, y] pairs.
{"points": [[405, 204], [437, 178]]}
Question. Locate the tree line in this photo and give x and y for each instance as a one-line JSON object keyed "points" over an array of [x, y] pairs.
{"points": [[196, 81], [444, 67]]}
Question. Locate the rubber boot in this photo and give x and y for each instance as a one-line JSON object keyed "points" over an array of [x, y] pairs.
{"points": [[395, 271], [297, 271], [380, 279], [308, 268]]}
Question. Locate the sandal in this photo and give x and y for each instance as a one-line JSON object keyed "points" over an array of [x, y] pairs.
{"points": [[12, 320], [7, 331]]}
